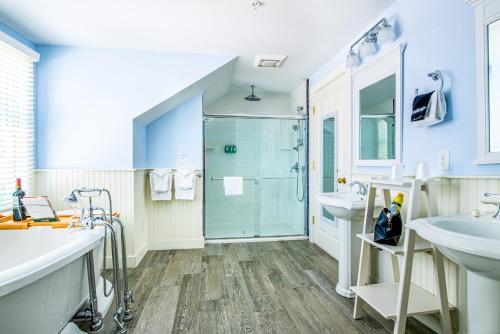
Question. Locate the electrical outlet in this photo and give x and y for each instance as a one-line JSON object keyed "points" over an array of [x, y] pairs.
{"points": [[444, 160]]}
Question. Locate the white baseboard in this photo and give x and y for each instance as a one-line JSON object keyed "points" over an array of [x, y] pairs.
{"points": [[139, 255], [134, 260], [131, 261]]}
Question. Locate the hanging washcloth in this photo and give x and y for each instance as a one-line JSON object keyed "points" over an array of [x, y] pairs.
{"points": [[160, 181], [233, 185], [428, 109], [185, 184]]}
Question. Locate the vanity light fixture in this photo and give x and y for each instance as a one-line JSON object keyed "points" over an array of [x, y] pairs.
{"points": [[381, 33]]}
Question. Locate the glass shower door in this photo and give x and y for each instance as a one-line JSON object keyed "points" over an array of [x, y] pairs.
{"points": [[270, 155]]}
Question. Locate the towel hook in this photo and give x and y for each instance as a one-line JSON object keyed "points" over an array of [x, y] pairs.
{"points": [[437, 75]]}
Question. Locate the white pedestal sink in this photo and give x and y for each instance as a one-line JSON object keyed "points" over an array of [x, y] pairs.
{"points": [[349, 209], [475, 244]]}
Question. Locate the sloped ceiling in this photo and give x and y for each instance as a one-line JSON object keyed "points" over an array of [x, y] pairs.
{"points": [[213, 86], [308, 31]]}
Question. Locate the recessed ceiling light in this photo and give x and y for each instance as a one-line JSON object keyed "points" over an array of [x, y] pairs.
{"points": [[269, 61]]}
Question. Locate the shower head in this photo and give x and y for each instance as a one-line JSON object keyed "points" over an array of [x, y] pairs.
{"points": [[252, 97]]}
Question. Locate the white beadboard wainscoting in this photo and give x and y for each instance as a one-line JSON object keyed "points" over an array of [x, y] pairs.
{"points": [[175, 224], [149, 225]]}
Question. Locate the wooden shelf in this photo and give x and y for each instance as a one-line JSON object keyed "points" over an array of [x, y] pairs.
{"points": [[420, 245], [404, 186], [384, 297], [401, 299]]}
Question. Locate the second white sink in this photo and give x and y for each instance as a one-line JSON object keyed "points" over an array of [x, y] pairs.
{"points": [[472, 242], [475, 244]]}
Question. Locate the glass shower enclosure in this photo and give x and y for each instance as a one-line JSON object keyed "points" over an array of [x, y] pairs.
{"points": [[270, 153]]}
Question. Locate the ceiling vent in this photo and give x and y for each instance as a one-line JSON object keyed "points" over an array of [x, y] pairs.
{"points": [[269, 61]]}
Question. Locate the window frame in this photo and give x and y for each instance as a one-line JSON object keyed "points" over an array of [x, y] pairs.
{"points": [[27, 54], [486, 12]]}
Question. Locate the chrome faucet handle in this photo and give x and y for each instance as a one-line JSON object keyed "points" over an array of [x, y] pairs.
{"points": [[362, 189], [489, 198]]}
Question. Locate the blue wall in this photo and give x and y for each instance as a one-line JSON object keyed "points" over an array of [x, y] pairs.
{"points": [[88, 98], [139, 146], [440, 35], [178, 132]]}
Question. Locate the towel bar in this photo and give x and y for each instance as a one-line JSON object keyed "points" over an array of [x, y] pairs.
{"points": [[254, 178], [198, 173]]}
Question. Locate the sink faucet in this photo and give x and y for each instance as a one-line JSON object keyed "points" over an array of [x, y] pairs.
{"points": [[362, 190], [495, 200]]}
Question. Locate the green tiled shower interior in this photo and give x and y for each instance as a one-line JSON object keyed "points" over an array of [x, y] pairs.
{"points": [[269, 205]]}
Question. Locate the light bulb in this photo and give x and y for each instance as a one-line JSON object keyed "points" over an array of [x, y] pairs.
{"points": [[368, 48], [386, 34], [352, 59]]}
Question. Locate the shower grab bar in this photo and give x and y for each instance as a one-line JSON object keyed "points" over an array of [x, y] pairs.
{"points": [[255, 178]]}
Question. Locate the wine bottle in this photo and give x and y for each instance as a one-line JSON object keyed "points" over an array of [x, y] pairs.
{"points": [[18, 209]]}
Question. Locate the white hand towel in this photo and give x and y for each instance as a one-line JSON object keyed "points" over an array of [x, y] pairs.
{"points": [[184, 178], [160, 181], [184, 184], [233, 185]]}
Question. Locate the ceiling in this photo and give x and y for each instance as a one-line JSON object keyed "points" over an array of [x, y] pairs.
{"points": [[309, 32]]}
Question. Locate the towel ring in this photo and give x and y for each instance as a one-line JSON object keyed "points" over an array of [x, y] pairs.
{"points": [[435, 76]]}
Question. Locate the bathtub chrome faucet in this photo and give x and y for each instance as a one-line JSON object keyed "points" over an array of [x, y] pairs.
{"points": [[90, 217]]}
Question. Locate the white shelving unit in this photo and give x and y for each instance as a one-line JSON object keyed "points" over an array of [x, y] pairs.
{"points": [[401, 298]]}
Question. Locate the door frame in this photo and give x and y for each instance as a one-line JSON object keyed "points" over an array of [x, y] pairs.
{"points": [[330, 96]]}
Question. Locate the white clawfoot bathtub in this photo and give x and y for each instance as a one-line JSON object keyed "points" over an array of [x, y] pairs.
{"points": [[43, 277]]}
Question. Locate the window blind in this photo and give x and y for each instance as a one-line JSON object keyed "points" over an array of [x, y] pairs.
{"points": [[17, 122]]}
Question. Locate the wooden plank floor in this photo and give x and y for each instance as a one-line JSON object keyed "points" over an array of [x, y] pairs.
{"points": [[266, 287]]}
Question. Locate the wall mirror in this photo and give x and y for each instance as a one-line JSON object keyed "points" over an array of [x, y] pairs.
{"points": [[377, 120], [377, 110], [488, 80]]}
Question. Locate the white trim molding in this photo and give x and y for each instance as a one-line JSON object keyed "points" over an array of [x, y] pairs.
{"points": [[35, 56], [486, 12], [328, 79], [389, 63]]}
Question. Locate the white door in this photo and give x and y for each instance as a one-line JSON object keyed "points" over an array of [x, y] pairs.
{"points": [[330, 154]]}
